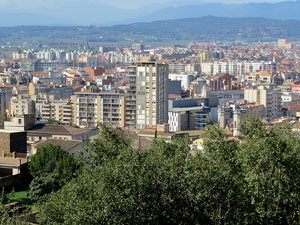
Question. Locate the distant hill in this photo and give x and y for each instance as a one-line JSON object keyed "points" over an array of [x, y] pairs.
{"points": [[282, 10], [91, 12], [207, 28]]}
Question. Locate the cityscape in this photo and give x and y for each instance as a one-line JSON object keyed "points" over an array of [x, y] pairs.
{"points": [[161, 120]]}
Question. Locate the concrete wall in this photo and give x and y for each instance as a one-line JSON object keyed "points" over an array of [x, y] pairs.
{"points": [[18, 182]]}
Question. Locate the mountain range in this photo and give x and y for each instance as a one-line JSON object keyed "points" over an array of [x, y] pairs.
{"points": [[78, 12], [208, 28]]}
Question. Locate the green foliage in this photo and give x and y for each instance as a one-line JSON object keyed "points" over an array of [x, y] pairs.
{"points": [[10, 213], [51, 168], [50, 159], [252, 181], [271, 168], [107, 146], [10, 216], [41, 186], [132, 188], [12, 192], [21, 197], [53, 121], [252, 127], [4, 198]]}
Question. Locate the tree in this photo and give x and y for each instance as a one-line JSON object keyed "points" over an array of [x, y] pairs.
{"points": [[254, 180], [110, 143], [47, 160], [215, 181], [53, 121], [270, 161], [41, 186], [128, 187], [51, 168]]}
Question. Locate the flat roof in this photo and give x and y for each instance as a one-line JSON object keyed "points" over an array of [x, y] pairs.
{"points": [[187, 109]]}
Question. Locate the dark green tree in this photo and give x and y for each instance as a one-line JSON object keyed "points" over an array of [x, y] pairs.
{"points": [[270, 161], [41, 186], [254, 180], [51, 168], [110, 143], [52, 121], [128, 187]]}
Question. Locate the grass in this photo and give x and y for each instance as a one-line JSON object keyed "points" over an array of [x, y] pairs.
{"points": [[20, 197]]}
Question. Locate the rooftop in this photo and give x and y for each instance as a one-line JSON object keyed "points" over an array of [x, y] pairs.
{"points": [[64, 144], [53, 129], [9, 131], [12, 161], [295, 107]]}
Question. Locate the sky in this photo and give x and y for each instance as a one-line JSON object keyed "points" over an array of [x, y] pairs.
{"points": [[30, 4]]}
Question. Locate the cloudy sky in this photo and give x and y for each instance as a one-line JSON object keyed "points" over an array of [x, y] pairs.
{"points": [[30, 4]]}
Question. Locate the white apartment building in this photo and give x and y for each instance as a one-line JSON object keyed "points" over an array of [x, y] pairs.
{"points": [[236, 68], [268, 96], [92, 108], [177, 67], [184, 78]]}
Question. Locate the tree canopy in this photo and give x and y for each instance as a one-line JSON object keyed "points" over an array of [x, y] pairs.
{"points": [[254, 180], [51, 167]]}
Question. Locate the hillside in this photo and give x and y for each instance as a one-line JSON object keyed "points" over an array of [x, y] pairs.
{"points": [[203, 29], [281, 10], [92, 12]]}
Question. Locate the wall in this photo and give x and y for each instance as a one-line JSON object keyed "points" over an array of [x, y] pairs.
{"points": [[19, 182]]}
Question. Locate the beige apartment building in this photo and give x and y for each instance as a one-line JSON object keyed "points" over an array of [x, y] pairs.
{"points": [[92, 108], [261, 76], [21, 105], [59, 110], [43, 108], [268, 96], [151, 87]]}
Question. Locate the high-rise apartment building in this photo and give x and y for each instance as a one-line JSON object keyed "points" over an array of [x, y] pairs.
{"points": [[142, 104], [151, 87]]}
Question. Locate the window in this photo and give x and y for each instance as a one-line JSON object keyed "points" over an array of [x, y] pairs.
{"points": [[20, 121]]}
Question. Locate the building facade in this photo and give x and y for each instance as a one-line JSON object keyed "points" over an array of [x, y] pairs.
{"points": [[151, 94], [268, 96], [92, 108]]}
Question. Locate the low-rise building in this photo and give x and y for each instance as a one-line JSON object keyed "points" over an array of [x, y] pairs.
{"points": [[74, 147], [62, 132]]}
